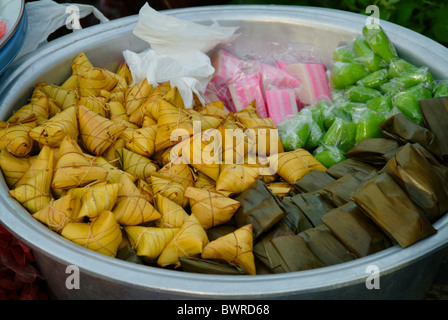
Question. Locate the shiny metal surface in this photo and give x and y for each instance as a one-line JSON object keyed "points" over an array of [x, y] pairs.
{"points": [[404, 273]]}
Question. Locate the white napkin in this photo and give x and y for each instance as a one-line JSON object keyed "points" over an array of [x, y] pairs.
{"points": [[46, 16], [177, 52]]}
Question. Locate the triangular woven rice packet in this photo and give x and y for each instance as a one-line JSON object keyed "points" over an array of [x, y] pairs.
{"points": [[64, 98], [53, 131], [73, 168], [59, 212], [96, 81], [236, 247], [97, 133], [211, 208], [149, 242], [96, 198], [14, 136], [132, 207], [102, 234], [40, 107], [188, 242], [293, 165], [172, 121], [12, 167], [35, 193], [136, 164], [173, 215], [141, 140], [235, 178], [42, 162]]}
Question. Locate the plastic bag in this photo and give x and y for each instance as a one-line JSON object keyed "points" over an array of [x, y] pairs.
{"points": [[46, 16], [177, 52]]}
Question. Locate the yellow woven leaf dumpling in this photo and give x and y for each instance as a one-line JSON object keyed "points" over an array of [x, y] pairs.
{"points": [[132, 207], [141, 140], [14, 136], [169, 119], [97, 133], [293, 165], [96, 104], [64, 98], [35, 193], [264, 132], [136, 95], [102, 234], [40, 107], [73, 169], [235, 178], [235, 142], [96, 81], [80, 64], [173, 215], [113, 172], [96, 198], [202, 181], [149, 242], [118, 93], [235, 247], [53, 131], [206, 121], [211, 208], [117, 112], [44, 161], [136, 164], [59, 212], [13, 167], [173, 190], [202, 155], [188, 242], [250, 111], [178, 172], [123, 71]]}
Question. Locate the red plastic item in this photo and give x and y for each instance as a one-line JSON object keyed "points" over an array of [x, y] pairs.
{"points": [[19, 277], [2, 29]]}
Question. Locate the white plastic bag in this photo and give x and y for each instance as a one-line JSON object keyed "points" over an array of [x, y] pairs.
{"points": [[46, 16], [177, 52]]}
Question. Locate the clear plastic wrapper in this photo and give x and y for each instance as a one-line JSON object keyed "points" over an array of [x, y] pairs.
{"points": [[341, 134], [361, 94], [280, 104], [366, 55], [294, 132], [344, 53], [441, 89], [346, 74], [407, 103], [398, 67], [419, 76], [375, 79], [313, 78], [379, 42], [381, 105], [368, 126], [329, 155], [244, 91]]}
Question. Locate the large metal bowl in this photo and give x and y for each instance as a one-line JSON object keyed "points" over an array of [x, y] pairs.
{"points": [[404, 273]]}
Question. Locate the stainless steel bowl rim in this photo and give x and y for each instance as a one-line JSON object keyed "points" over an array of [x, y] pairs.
{"points": [[29, 230]]}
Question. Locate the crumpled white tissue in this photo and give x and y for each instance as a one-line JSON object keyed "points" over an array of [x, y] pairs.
{"points": [[46, 16], [177, 52]]}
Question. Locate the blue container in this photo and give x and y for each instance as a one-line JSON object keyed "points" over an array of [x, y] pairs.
{"points": [[12, 45]]}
